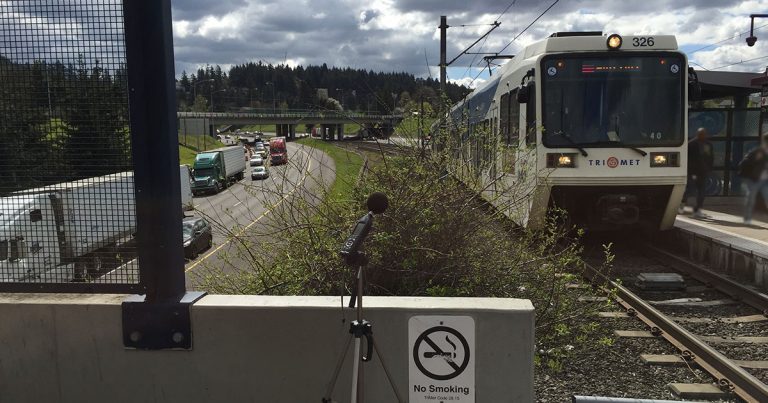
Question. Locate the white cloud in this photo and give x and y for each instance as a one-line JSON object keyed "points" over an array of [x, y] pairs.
{"points": [[469, 82], [394, 35]]}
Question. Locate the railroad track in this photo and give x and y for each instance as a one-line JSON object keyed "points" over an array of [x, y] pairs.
{"points": [[714, 322], [373, 147]]}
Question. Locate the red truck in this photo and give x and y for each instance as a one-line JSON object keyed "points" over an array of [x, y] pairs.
{"points": [[278, 153]]}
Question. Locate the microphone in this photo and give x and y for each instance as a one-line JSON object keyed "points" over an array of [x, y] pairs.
{"points": [[377, 203]]}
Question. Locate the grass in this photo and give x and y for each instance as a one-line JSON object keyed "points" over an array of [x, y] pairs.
{"points": [[200, 143], [259, 128], [186, 155], [351, 128], [409, 127], [187, 152], [347, 163]]}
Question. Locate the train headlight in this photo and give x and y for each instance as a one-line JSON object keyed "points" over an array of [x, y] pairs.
{"points": [[614, 42], [669, 159], [561, 160]]}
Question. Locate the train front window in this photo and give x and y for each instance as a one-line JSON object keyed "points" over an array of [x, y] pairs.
{"points": [[613, 101]]}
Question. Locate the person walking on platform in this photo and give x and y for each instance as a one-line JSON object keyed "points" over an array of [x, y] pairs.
{"points": [[700, 160], [754, 168]]}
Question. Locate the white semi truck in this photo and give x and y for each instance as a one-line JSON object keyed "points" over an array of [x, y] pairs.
{"points": [[185, 174], [61, 232]]}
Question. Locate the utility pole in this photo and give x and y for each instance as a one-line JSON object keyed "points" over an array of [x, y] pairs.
{"points": [[443, 64], [443, 28]]}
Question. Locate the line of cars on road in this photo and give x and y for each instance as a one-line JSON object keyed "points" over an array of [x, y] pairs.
{"points": [[258, 161], [197, 231]]}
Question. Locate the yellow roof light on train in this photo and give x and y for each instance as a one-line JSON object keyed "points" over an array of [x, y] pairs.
{"points": [[614, 41]]}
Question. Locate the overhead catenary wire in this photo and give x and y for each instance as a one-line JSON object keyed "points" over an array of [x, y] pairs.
{"points": [[726, 39], [506, 9], [485, 37], [510, 5], [472, 25], [518, 35], [692, 62], [474, 57], [739, 62], [529, 25]]}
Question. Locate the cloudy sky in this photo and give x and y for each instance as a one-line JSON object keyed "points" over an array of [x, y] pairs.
{"points": [[387, 35], [382, 35]]}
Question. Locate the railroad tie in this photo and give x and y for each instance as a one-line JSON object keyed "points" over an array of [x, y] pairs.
{"points": [[664, 360], [706, 391], [633, 333], [613, 315]]}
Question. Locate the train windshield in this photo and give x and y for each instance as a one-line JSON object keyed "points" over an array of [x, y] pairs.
{"points": [[616, 101]]}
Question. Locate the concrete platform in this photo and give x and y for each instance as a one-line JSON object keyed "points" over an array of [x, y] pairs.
{"points": [[723, 242], [726, 216]]}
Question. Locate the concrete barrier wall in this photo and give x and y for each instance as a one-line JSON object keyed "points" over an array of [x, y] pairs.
{"points": [[68, 348], [735, 256]]}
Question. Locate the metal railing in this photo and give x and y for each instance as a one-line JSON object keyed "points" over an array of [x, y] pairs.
{"points": [[84, 200], [291, 113]]}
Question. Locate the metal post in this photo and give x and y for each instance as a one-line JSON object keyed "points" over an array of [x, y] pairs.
{"points": [[152, 100], [443, 28]]}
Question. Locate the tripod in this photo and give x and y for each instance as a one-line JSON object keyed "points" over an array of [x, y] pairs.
{"points": [[358, 329]]}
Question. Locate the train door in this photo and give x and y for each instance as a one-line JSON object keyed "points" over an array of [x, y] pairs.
{"points": [[525, 162]]}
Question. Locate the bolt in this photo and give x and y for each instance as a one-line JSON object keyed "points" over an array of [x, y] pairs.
{"points": [[135, 336], [177, 337]]}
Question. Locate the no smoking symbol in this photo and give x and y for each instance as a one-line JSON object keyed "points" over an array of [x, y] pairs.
{"points": [[441, 353]]}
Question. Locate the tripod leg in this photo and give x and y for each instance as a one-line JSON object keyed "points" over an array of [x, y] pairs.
{"points": [[356, 372], [335, 377], [386, 371]]}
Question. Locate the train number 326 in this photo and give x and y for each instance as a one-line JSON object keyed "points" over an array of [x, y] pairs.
{"points": [[642, 41]]}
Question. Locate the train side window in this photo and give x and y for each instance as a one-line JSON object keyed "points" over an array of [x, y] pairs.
{"points": [[504, 117], [530, 118], [514, 119], [36, 215], [35, 247], [3, 250], [14, 250]]}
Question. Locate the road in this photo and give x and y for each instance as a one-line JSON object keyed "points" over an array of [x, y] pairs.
{"points": [[242, 213]]}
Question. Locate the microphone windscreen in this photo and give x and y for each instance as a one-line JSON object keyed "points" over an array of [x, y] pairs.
{"points": [[377, 202]]}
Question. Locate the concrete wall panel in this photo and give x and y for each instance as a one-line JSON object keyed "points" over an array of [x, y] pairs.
{"points": [[68, 348]]}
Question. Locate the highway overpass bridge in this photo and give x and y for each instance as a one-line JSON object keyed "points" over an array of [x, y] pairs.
{"points": [[329, 123]]}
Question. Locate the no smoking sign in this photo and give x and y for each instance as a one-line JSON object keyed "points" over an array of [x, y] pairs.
{"points": [[441, 359]]}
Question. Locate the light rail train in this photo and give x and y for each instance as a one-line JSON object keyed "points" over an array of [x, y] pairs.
{"points": [[593, 124]]}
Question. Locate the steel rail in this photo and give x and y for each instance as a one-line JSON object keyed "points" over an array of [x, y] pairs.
{"points": [[729, 375], [717, 281]]}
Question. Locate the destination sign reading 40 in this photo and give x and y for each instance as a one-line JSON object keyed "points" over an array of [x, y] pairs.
{"points": [[441, 359]]}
